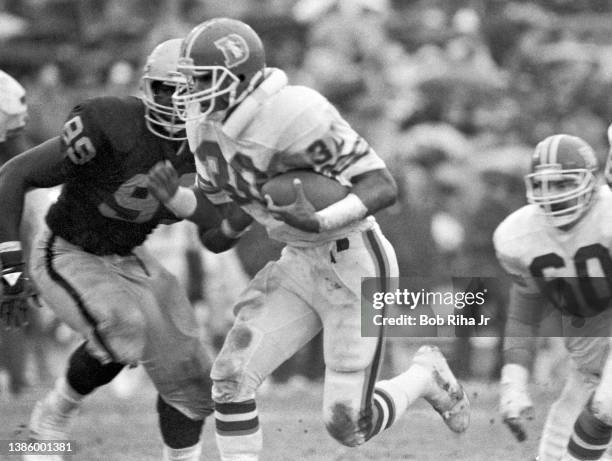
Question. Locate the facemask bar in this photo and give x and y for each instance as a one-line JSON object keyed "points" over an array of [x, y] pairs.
{"points": [[540, 191], [162, 120], [192, 104]]}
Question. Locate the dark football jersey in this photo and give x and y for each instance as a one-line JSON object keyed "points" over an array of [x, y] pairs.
{"points": [[105, 206]]}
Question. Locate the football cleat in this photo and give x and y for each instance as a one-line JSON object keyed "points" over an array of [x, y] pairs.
{"points": [[445, 393], [47, 422], [51, 420]]}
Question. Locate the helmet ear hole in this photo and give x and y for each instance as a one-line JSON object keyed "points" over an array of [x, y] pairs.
{"points": [[242, 77]]}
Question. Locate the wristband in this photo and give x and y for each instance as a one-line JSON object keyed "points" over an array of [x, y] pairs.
{"points": [[11, 254], [228, 231], [183, 203], [341, 213]]}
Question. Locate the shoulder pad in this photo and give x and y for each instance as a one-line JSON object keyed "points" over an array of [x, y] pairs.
{"points": [[526, 220], [12, 95], [119, 119], [290, 114], [13, 109]]}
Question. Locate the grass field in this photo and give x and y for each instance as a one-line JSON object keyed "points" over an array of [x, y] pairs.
{"points": [[113, 428]]}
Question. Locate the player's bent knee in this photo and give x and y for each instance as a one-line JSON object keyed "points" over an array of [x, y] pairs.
{"points": [[126, 336], [226, 391], [231, 383], [601, 405], [178, 431], [345, 426]]}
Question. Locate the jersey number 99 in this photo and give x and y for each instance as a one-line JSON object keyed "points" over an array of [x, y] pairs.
{"points": [[79, 147]]}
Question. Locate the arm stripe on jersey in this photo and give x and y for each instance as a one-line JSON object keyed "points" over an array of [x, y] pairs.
{"points": [[74, 294], [352, 159]]}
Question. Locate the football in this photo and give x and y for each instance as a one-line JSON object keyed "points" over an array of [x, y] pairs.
{"points": [[320, 190]]}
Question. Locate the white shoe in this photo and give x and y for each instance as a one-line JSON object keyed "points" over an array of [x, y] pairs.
{"points": [[445, 395], [48, 423]]}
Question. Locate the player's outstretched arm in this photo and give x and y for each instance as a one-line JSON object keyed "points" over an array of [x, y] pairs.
{"points": [[524, 316], [40, 166], [234, 224], [185, 202], [220, 226]]}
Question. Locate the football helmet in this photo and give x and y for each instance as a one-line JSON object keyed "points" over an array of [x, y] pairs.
{"points": [[562, 178], [161, 76], [223, 60]]}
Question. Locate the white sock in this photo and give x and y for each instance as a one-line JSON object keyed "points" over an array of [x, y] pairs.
{"points": [[240, 448], [392, 397], [63, 397], [409, 386], [237, 431], [192, 453], [563, 412]]}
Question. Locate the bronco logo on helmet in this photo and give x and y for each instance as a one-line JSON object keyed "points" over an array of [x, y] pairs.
{"points": [[234, 48]]}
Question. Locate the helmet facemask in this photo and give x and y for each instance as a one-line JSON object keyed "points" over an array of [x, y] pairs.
{"points": [[564, 196], [203, 91], [161, 117], [159, 81]]}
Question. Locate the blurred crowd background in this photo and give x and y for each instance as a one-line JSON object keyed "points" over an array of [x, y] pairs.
{"points": [[453, 94]]}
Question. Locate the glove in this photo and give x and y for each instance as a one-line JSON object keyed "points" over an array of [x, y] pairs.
{"points": [[17, 294], [516, 406]]}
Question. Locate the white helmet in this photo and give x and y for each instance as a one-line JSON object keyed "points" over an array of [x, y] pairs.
{"points": [[562, 178], [161, 68]]}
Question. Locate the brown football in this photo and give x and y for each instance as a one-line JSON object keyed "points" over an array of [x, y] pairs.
{"points": [[320, 190]]}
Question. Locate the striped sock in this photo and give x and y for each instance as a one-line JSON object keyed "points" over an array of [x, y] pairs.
{"points": [[590, 437], [237, 431], [383, 409]]}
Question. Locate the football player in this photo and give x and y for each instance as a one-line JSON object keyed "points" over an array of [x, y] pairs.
{"points": [[13, 116], [245, 124], [557, 252], [91, 267]]}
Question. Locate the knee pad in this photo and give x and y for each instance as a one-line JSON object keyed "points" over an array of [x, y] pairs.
{"points": [[346, 425], [86, 373], [178, 431], [346, 417]]}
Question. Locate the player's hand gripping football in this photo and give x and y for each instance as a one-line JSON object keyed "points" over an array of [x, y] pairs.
{"points": [[163, 181], [17, 293], [300, 214], [516, 409]]}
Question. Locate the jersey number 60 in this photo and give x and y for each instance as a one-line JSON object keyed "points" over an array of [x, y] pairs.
{"points": [[562, 293]]}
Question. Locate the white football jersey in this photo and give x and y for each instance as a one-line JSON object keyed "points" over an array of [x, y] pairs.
{"points": [[572, 268], [278, 128], [13, 109]]}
